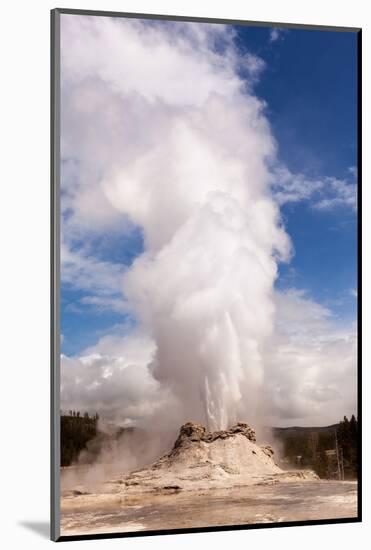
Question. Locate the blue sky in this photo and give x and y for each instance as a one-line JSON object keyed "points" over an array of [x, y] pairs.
{"points": [[310, 89], [309, 86], [81, 324]]}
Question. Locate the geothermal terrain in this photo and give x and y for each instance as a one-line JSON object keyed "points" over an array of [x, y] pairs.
{"points": [[207, 479]]}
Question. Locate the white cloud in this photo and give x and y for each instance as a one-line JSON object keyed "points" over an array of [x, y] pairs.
{"points": [[337, 193], [311, 375], [253, 64], [324, 193], [84, 271], [117, 304], [276, 34], [111, 377], [289, 187], [100, 282]]}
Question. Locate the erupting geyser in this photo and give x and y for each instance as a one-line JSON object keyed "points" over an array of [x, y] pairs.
{"points": [[191, 167], [198, 187]]}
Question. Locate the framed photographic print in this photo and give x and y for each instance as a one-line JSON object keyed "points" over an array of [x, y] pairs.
{"points": [[205, 274]]}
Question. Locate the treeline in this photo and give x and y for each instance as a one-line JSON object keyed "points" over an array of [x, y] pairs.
{"points": [[348, 445], [76, 431], [331, 452]]}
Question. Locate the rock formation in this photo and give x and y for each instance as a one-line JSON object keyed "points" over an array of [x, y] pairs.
{"points": [[207, 460]]}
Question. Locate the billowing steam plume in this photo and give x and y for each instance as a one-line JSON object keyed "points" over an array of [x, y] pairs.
{"points": [[167, 135]]}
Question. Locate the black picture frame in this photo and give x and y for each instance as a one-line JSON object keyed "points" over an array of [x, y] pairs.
{"points": [[55, 272]]}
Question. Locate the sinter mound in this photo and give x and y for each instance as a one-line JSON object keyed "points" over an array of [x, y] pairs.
{"points": [[203, 460]]}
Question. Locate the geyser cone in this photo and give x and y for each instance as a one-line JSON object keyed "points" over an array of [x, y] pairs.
{"points": [[201, 459]]}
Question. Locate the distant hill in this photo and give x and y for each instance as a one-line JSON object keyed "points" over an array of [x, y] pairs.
{"points": [[296, 430]]}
